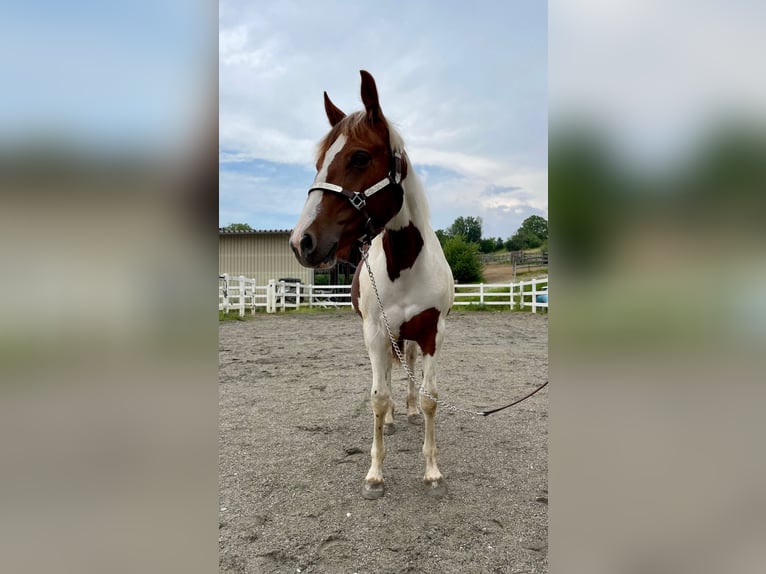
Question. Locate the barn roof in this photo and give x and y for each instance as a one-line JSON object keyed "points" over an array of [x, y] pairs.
{"points": [[223, 231]]}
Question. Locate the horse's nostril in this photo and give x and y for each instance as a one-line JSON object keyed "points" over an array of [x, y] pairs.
{"points": [[307, 244]]}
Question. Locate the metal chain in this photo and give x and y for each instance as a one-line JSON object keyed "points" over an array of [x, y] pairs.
{"points": [[402, 360]]}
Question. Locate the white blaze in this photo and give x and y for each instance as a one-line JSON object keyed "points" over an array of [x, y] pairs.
{"points": [[311, 208], [336, 146]]}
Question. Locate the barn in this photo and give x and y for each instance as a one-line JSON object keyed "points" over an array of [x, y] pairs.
{"points": [[259, 254], [264, 254]]}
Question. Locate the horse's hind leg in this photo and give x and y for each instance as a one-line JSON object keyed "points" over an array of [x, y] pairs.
{"points": [[389, 426], [410, 355]]}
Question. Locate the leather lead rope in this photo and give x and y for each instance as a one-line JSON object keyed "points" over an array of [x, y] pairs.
{"points": [[516, 402]]}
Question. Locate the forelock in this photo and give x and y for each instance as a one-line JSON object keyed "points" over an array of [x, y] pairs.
{"points": [[354, 126]]}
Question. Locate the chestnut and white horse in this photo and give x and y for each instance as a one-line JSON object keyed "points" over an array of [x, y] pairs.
{"points": [[365, 191]]}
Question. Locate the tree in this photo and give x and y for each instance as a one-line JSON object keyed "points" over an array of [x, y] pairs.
{"points": [[238, 227], [490, 244], [442, 236], [467, 227], [535, 225], [464, 259], [532, 234]]}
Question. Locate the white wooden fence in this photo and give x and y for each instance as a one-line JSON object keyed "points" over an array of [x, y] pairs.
{"points": [[241, 294]]}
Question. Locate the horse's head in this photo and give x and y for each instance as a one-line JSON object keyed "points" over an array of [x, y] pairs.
{"points": [[357, 187]]}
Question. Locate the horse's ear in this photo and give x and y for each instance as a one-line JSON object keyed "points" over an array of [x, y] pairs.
{"points": [[334, 114], [370, 96]]}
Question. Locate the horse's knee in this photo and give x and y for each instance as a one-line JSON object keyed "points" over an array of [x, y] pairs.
{"points": [[380, 402], [427, 405]]}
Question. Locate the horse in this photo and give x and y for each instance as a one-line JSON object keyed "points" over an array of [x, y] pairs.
{"points": [[366, 195]]}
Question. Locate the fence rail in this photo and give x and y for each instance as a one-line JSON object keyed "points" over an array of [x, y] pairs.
{"points": [[242, 294]]}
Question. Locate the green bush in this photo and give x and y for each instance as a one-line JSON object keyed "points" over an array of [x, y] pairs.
{"points": [[463, 259]]}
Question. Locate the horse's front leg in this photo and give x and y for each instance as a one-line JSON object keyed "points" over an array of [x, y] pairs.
{"points": [[381, 360], [433, 477]]}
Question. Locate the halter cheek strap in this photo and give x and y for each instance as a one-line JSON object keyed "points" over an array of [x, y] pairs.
{"points": [[359, 198]]}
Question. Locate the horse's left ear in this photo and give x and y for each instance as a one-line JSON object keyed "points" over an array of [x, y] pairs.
{"points": [[334, 114], [370, 96]]}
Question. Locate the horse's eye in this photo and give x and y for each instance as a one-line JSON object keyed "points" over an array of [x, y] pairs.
{"points": [[360, 159]]}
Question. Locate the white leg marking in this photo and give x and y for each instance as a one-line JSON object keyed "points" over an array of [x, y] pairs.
{"points": [[432, 474], [381, 360]]}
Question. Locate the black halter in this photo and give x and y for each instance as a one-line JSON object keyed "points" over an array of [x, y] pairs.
{"points": [[358, 199]]}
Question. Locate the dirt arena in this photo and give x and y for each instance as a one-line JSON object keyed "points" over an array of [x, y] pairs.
{"points": [[296, 430]]}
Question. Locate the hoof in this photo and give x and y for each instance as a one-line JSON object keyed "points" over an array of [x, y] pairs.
{"points": [[415, 419], [436, 488], [372, 490], [389, 428]]}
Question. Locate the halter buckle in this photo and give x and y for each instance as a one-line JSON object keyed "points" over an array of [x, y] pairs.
{"points": [[357, 200]]}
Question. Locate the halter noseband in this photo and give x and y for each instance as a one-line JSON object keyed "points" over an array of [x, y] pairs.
{"points": [[359, 198]]}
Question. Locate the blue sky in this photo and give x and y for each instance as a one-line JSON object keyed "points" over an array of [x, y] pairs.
{"points": [[465, 83]]}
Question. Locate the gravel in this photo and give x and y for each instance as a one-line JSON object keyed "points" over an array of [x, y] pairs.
{"points": [[296, 430]]}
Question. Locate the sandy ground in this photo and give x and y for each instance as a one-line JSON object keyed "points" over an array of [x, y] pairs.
{"points": [[295, 434]]}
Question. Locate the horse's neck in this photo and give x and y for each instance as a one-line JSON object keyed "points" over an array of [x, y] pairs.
{"points": [[414, 208]]}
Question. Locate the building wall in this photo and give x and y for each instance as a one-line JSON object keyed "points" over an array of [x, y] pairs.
{"points": [[260, 255]]}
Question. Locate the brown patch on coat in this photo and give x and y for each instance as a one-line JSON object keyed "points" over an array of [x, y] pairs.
{"points": [[402, 247], [422, 329]]}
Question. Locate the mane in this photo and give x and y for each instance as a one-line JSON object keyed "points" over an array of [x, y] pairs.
{"points": [[415, 195]]}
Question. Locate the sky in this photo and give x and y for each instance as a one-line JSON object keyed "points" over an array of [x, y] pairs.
{"points": [[465, 84]]}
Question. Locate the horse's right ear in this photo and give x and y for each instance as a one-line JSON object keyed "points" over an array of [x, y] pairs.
{"points": [[370, 96], [334, 114]]}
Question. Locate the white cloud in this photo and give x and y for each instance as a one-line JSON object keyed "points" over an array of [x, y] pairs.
{"points": [[472, 103]]}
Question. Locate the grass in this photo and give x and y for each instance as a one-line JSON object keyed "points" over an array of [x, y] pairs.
{"points": [[533, 274], [233, 316]]}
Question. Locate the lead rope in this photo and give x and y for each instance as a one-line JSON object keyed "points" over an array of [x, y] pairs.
{"points": [[422, 390]]}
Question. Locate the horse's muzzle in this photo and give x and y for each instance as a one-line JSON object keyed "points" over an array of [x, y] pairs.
{"points": [[310, 253]]}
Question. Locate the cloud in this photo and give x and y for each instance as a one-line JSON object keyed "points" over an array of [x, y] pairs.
{"points": [[472, 109], [494, 190]]}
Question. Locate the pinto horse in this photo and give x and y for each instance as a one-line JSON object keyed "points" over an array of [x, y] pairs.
{"points": [[365, 193]]}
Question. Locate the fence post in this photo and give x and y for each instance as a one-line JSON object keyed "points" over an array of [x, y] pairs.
{"points": [[521, 295], [271, 296], [534, 295], [311, 296], [241, 305], [297, 295], [481, 293], [226, 293], [282, 293]]}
